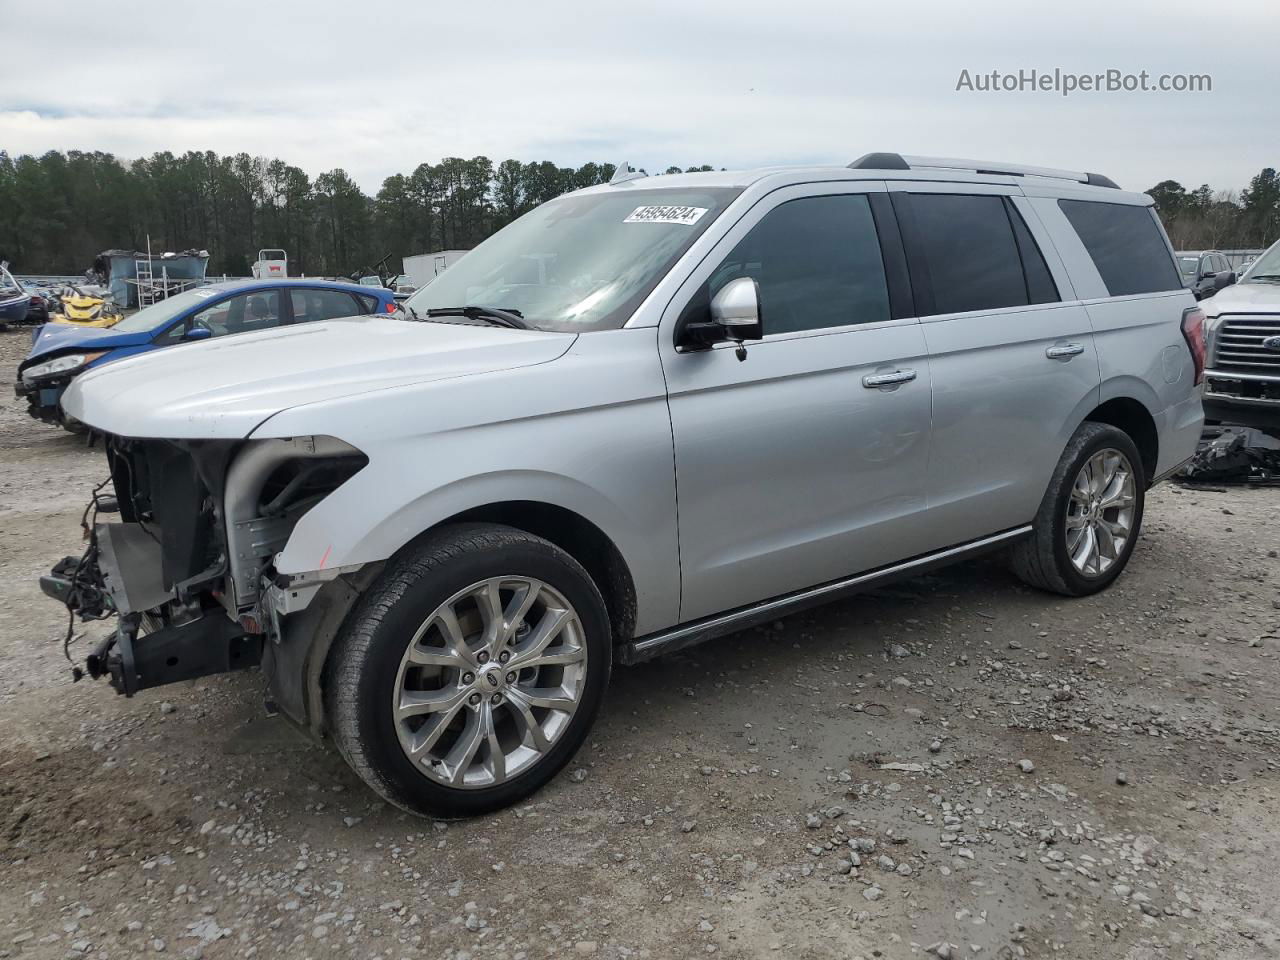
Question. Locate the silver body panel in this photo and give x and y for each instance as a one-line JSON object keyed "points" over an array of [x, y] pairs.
{"points": [[721, 483]]}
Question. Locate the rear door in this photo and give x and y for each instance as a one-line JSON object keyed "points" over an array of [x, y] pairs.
{"points": [[1011, 352], [804, 462]]}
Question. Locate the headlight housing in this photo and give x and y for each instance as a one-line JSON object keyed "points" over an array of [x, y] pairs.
{"points": [[68, 363]]}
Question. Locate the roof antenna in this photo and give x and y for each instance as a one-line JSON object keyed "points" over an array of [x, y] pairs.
{"points": [[623, 172]]}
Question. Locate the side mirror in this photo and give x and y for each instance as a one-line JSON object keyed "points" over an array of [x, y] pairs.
{"points": [[197, 333], [736, 310], [735, 317]]}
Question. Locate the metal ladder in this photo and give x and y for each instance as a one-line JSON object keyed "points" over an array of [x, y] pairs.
{"points": [[147, 292]]}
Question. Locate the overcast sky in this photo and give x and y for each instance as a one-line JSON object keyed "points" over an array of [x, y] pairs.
{"points": [[377, 87]]}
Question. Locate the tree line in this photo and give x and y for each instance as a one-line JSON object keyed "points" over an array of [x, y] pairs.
{"points": [[1204, 218], [59, 210]]}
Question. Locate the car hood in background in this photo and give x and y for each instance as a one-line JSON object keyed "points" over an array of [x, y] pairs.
{"points": [[1252, 296], [63, 337], [224, 388]]}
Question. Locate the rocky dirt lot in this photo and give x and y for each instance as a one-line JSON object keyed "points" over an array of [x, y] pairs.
{"points": [[955, 767]]}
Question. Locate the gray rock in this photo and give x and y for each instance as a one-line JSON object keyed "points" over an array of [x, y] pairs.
{"points": [[886, 863], [1026, 766], [872, 893], [813, 821]]}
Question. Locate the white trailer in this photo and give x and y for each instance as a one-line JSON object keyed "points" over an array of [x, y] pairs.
{"points": [[425, 267]]}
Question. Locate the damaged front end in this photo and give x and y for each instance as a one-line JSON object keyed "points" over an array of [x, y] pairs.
{"points": [[188, 567]]}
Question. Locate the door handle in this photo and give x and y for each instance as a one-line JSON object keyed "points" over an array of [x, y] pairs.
{"points": [[1064, 351], [872, 381]]}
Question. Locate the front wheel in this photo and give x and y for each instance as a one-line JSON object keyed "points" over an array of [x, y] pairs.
{"points": [[471, 671], [1088, 521]]}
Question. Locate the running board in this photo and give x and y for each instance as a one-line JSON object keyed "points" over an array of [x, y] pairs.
{"points": [[688, 634]]}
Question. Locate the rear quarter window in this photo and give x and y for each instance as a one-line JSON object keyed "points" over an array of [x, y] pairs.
{"points": [[1126, 246]]}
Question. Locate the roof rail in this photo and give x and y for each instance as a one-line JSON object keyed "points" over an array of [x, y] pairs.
{"points": [[623, 172], [896, 161]]}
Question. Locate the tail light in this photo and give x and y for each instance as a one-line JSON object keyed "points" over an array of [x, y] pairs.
{"points": [[1193, 333], [391, 306]]}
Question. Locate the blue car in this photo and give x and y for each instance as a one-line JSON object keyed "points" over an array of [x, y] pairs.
{"points": [[62, 351]]}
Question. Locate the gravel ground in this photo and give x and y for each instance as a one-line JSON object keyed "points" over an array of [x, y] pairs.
{"points": [[955, 767]]}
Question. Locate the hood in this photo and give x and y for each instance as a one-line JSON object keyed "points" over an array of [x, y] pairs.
{"points": [[62, 337], [1252, 296], [224, 388]]}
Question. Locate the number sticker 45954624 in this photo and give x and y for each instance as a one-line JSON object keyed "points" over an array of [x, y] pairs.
{"points": [[665, 214]]}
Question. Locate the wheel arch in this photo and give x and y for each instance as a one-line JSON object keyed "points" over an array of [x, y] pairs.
{"points": [[299, 666], [1135, 419], [575, 535]]}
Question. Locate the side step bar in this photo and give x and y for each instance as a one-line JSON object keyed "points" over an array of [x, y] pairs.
{"points": [[689, 634]]}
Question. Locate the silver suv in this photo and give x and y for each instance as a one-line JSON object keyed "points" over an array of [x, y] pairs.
{"points": [[644, 414]]}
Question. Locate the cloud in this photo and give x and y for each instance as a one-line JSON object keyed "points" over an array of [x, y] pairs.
{"points": [[379, 87]]}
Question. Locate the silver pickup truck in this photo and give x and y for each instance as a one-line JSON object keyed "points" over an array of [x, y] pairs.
{"points": [[1242, 330], [644, 414]]}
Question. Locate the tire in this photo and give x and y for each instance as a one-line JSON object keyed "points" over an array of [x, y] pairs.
{"points": [[441, 588], [1044, 559]]}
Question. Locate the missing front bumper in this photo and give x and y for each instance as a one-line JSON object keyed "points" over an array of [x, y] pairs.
{"points": [[201, 648]]}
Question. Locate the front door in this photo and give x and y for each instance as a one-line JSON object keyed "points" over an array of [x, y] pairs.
{"points": [[806, 462]]}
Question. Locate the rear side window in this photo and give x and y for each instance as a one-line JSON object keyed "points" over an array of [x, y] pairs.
{"points": [[310, 304], [368, 304], [972, 254], [1040, 285], [1126, 246]]}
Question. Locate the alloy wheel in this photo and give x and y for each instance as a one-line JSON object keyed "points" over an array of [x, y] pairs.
{"points": [[1099, 517], [489, 682]]}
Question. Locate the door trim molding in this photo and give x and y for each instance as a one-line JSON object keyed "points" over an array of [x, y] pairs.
{"points": [[717, 625]]}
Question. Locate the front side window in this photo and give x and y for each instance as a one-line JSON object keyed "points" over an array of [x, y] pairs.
{"points": [[972, 253], [310, 305], [243, 314], [818, 264], [581, 262], [1126, 245]]}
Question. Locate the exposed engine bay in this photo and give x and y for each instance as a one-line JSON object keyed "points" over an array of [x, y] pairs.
{"points": [[188, 566]]}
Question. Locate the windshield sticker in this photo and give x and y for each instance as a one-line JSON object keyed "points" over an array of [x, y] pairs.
{"points": [[685, 215], [203, 294]]}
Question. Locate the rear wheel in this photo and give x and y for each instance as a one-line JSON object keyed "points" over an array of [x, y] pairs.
{"points": [[1089, 519], [471, 671]]}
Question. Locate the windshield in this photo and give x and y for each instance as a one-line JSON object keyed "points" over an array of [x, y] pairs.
{"points": [[1267, 265], [158, 314], [580, 262], [1188, 265]]}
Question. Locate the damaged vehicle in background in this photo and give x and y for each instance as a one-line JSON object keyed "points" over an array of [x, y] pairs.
{"points": [[1242, 331], [642, 415], [15, 300], [61, 352]]}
